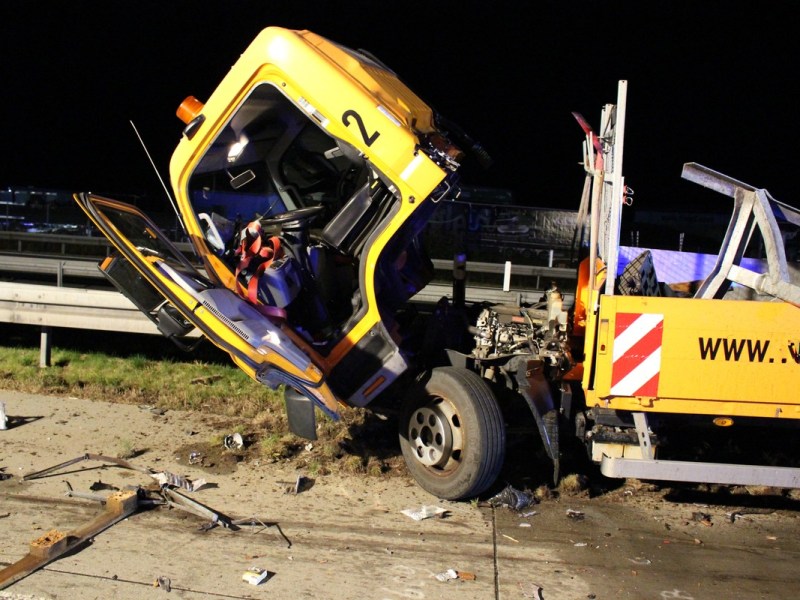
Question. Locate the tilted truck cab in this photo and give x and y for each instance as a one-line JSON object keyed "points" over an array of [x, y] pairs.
{"points": [[329, 150], [303, 184]]}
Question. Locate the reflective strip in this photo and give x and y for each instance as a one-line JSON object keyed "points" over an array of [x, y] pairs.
{"points": [[640, 326], [637, 354]]}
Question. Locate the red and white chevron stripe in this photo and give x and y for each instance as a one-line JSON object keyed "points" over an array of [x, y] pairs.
{"points": [[637, 354]]}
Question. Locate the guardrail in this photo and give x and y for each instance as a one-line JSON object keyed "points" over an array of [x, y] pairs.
{"points": [[75, 308], [49, 265], [58, 305], [87, 268], [22, 240]]}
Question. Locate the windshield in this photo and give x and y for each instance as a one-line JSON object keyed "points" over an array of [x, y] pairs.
{"points": [[270, 157]]}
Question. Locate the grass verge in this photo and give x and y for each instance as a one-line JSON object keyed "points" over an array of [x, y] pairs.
{"points": [[148, 370]]}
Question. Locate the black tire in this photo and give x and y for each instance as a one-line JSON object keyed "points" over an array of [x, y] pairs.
{"points": [[452, 433]]}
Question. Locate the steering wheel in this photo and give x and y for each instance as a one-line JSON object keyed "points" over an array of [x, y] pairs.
{"points": [[299, 215]]}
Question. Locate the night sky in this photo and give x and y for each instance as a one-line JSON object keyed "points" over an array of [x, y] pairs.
{"points": [[709, 82]]}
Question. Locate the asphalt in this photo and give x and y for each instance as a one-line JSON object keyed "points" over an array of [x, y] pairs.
{"points": [[347, 537]]}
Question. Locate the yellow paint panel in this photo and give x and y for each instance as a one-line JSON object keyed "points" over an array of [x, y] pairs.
{"points": [[717, 357]]}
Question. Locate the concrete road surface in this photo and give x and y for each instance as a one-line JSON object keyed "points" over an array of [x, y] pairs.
{"points": [[346, 537]]}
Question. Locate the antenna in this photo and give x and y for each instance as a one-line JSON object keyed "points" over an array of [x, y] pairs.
{"points": [[163, 185]]}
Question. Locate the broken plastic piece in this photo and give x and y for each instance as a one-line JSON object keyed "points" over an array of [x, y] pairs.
{"points": [[164, 583], [233, 441], [575, 514], [447, 575], [255, 575], [453, 574], [512, 498], [425, 512]]}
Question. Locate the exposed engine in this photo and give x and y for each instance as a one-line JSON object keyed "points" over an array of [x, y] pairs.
{"points": [[540, 330]]}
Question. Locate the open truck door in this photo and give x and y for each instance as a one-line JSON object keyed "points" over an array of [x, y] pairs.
{"points": [[150, 271]]}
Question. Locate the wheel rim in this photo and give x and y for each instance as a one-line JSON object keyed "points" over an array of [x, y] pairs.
{"points": [[434, 431]]}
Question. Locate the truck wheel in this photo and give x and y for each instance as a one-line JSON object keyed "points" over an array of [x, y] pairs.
{"points": [[452, 433]]}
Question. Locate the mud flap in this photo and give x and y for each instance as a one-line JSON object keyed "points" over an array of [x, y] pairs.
{"points": [[300, 413], [535, 389]]}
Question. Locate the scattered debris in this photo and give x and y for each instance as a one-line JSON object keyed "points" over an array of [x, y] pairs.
{"points": [[532, 590], [3, 417], [508, 537], [195, 458], [451, 574], [580, 544], [299, 485], [425, 512], [575, 514], [54, 543], [97, 457], [165, 478], [524, 524], [119, 505], [702, 518], [99, 485], [447, 575], [640, 560], [233, 441], [738, 514], [512, 498], [164, 583], [255, 575], [177, 500], [86, 496], [466, 575]]}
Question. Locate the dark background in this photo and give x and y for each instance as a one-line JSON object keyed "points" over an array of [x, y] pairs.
{"points": [[710, 82]]}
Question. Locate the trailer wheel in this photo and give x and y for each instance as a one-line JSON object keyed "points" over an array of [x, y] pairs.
{"points": [[452, 433]]}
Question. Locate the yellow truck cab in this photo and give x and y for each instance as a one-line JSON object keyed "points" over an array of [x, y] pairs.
{"points": [[303, 183]]}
